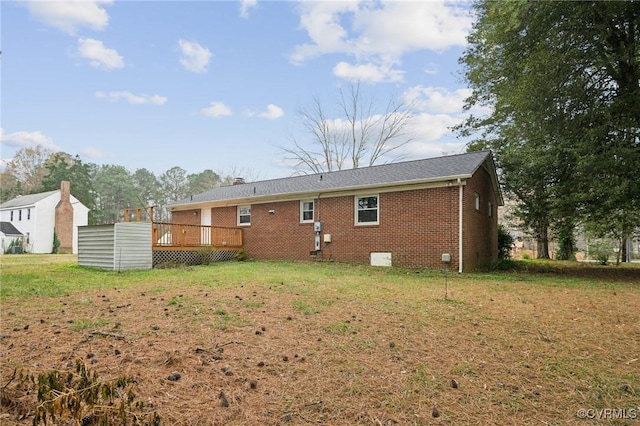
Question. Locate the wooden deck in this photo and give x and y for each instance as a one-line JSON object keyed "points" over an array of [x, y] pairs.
{"points": [[174, 236]]}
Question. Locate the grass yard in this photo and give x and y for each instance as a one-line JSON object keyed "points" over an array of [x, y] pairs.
{"points": [[268, 343]]}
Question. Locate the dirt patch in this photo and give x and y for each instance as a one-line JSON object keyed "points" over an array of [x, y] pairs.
{"points": [[493, 352]]}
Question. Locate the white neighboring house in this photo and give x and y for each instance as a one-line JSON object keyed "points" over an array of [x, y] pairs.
{"points": [[34, 216]]}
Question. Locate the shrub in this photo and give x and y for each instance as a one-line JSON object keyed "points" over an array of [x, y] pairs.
{"points": [[566, 246], [241, 256], [14, 243], [601, 251], [56, 244], [84, 398], [505, 242]]}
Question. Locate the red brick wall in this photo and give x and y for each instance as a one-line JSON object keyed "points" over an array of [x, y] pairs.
{"points": [[186, 217], [480, 231], [415, 226]]}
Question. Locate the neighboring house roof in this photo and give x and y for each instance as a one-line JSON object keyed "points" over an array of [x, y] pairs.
{"points": [[403, 173], [26, 200], [8, 229]]}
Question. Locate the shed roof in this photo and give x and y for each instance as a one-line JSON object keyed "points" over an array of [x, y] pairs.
{"points": [[408, 172], [26, 200], [7, 228]]}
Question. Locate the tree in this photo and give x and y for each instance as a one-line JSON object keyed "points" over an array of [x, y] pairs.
{"points": [[147, 188], [361, 136], [116, 191], [203, 181], [27, 167], [174, 186], [62, 166], [10, 187], [562, 81]]}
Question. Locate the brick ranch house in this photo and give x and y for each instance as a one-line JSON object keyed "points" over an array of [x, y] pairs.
{"points": [[406, 214]]}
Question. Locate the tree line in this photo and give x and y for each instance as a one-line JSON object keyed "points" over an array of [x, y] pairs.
{"points": [[557, 85], [105, 189]]}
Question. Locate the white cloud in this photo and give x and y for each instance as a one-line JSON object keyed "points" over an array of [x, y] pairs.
{"points": [[398, 27], [273, 112], [92, 152], [98, 55], [28, 140], [194, 57], [69, 16], [437, 100], [216, 109], [245, 5], [431, 127], [431, 69], [133, 99], [367, 72], [380, 32], [432, 136], [321, 20]]}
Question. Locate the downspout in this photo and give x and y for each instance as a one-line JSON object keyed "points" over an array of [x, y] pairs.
{"points": [[459, 225]]}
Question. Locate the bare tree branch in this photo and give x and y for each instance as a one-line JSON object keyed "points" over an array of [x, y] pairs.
{"points": [[359, 136]]}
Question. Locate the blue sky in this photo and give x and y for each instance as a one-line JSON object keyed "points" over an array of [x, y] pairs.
{"points": [[217, 84]]}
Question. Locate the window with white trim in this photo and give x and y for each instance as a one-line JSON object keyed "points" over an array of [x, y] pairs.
{"points": [[306, 211], [20, 214], [11, 216], [28, 214], [366, 210], [490, 209], [244, 215], [477, 201]]}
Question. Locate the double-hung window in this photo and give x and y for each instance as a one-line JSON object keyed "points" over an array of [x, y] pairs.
{"points": [[306, 211], [244, 215], [367, 210]]}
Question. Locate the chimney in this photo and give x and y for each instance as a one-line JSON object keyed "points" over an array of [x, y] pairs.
{"points": [[238, 181], [64, 219]]}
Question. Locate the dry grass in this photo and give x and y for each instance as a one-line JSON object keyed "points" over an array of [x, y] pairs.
{"points": [[333, 344]]}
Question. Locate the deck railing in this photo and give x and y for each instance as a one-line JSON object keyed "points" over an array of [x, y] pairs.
{"points": [[167, 234]]}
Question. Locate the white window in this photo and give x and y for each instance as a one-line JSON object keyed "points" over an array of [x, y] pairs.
{"points": [[28, 214], [11, 216], [477, 201], [366, 210], [490, 210], [306, 211], [19, 214], [244, 215]]}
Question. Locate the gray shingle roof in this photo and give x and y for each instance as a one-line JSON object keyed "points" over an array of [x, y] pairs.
{"points": [[7, 228], [26, 200], [430, 169]]}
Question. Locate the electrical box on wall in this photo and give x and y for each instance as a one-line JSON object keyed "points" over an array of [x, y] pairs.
{"points": [[317, 226], [317, 245], [327, 238], [446, 258]]}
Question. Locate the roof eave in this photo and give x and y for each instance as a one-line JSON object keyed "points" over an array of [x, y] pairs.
{"points": [[384, 187]]}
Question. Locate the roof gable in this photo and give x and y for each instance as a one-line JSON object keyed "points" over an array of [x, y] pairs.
{"points": [[408, 172], [26, 200]]}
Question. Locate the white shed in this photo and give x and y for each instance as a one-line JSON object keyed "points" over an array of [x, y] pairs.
{"points": [[117, 247]]}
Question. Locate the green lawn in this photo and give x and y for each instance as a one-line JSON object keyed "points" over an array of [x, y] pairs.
{"points": [[333, 343]]}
